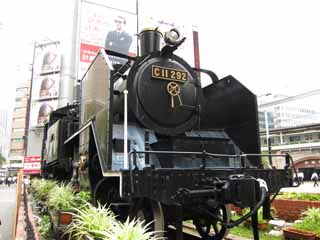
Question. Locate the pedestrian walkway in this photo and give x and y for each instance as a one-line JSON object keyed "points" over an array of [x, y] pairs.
{"points": [[7, 207], [306, 187]]}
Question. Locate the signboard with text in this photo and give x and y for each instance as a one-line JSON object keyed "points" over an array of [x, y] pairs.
{"points": [[32, 165]]}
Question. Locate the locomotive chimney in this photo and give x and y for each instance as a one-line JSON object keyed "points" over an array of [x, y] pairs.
{"points": [[150, 39]]}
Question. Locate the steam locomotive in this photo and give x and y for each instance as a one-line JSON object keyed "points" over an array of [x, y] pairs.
{"points": [[149, 140]]}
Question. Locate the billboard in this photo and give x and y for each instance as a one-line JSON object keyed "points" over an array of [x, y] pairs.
{"points": [[32, 165], [45, 82], [46, 86], [40, 111], [47, 59], [105, 27], [114, 29]]}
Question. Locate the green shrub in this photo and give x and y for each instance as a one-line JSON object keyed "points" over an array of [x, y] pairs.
{"points": [[300, 196], [41, 189], [310, 221], [260, 214], [91, 222], [61, 197], [81, 199], [134, 230], [45, 226]]}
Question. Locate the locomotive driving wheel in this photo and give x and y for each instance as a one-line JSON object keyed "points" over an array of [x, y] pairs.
{"points": [[211, 228], [151, 213]]}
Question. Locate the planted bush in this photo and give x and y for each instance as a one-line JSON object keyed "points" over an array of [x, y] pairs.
{"points": [[91, 222], [100, 223], [61, 197], [300, 196], [45, 226], [134, 230], [41, 189], [81, 199], [310, 221]]}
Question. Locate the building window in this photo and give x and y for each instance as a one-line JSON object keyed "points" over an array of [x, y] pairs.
{"points": [[18, 130], [308, 137], [17, 140], [294, 138]]}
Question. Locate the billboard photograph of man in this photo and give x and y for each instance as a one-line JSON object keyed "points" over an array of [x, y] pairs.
{"points": [[119, 40]]}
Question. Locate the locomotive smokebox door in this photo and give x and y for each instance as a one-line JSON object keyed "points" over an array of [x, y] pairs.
{"points": [[164, 94]]}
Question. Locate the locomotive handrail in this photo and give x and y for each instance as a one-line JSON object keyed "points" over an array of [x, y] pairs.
{"points": [[209, 154]]}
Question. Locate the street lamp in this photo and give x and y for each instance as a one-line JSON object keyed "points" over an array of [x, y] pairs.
{"points": [[268, 137]]}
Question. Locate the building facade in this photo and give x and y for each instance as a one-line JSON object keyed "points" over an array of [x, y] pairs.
{"points": [[19, 124], [265, 117], [289, 115], [4, 133]]}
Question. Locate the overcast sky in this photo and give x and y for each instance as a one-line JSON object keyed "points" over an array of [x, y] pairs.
{"points": [[270, 46]]}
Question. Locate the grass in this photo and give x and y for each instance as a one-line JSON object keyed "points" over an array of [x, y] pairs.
{"points": [[300, 196], [310, 221], [246, 232]]}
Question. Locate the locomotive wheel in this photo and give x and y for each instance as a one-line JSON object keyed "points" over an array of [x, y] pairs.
{"points": [[212, 229], [151, 213]]}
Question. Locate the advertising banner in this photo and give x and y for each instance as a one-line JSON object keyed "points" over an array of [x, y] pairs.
{"points": [[40, 111], [46, 87], [45, 82], [105, 27], [32, 165], [47, 59]]}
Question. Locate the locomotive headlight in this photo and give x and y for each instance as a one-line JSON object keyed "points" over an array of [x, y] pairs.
{"points": [[172, 37]]}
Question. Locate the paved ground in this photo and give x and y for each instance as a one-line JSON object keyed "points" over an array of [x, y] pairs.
{"points": [[7, 207], [306, 187]]}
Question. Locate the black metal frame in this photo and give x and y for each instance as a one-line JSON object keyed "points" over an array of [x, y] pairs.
{"points": [[275, 178], [186, 188]]}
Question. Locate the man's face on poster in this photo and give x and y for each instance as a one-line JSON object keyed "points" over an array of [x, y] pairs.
{"points": [[120, 22]]}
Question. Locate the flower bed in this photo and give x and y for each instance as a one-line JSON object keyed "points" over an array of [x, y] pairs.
{"points": [[290, 209]]}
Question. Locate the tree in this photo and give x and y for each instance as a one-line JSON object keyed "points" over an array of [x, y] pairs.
{"points": [[2, 160]]}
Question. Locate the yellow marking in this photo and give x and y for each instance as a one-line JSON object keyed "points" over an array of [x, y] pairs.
{"points": [[169, 74]]}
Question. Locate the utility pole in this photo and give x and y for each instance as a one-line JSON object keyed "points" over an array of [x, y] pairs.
{"points": [[268, 138]]}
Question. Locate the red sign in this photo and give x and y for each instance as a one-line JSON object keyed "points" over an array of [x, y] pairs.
{"points": [[32, 165], [88, 52]]}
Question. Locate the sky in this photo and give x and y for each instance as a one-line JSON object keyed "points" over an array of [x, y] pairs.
{"points": [[268, 45]]}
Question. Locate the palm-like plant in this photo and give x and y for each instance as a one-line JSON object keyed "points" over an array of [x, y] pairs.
{"points": [[131, 230], [91, 222], [61, 197], [310, 221], [42, 188]]}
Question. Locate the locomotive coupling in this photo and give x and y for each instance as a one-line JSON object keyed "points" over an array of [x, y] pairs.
{"points": [[242, 191]]}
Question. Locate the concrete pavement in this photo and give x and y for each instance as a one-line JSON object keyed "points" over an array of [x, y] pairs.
{"points": [[306, 187], [7, 208]]}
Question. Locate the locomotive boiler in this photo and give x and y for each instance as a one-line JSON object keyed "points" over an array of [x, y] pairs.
{"points": [[149, 140]]}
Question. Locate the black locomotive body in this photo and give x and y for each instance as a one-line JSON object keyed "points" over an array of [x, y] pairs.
{"points": [[153, 143]]}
